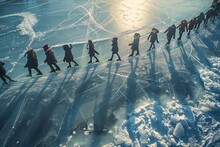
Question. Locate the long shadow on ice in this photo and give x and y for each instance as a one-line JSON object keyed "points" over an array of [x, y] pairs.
{"points": [[189, 65], [131, 95], [213, 50], [180, 84], [102, 114], [11, 115], [41, 106], [153, 88], [201, 55], [73, 116]]}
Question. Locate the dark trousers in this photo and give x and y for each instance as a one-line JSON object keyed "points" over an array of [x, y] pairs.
{"points": [[180, 35], [52, 68], [5, 76], [132, 53], [152, 46], [97, 60], [168, 40], [116, 54], [36, 68]]}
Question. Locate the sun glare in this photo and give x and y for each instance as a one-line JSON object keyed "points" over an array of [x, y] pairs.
{"points": [[130, 14]]}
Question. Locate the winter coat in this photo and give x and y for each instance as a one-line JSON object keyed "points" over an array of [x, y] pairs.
{"points": [[153, 37], [2, 69], [191, 25], [135, 44], [200, 18], [115, 46], [92, 50], [171, 32], [183, 27], [50, 57], [68, 54], [32, 61]]}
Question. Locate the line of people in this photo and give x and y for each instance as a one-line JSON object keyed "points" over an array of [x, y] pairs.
{"points": [[184, 26]]}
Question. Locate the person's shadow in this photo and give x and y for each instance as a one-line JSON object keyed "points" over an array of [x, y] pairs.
{"points": [[131, 94], [72, 117], [101, 111]]}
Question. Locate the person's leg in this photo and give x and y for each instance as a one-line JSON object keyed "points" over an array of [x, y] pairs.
{"points": [[132, 53], [180, 35], [29, 71], [189, 32], [119, 58], [38, 71], [168, 40], [51, 67], [57, 67], [97, 60], [153, 45], [198, 25], [3, 79], [150, 47], [10, 79], [111, 57], [137, 52], [69, 65], [76, 64], [90, 61]]}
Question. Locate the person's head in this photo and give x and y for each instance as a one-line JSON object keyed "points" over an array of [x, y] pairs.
{"points": [[174, 25], [114, 39], [46, 47], [65, 46], [137, 35], [155, 30], [89, 41]]}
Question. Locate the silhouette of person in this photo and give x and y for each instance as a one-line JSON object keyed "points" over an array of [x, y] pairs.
{"points": [[199, 20], [182, 28], [191, 25], [208, 15], [171, 32], [135, 44], [32, 62], [153, 37], [115, 49], [50, 58], [3, 74], [92, 51], [68, 55]]}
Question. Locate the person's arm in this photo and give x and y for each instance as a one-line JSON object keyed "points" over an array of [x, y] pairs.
{"points": [[149, 36], [167, 30], [157, 38]]}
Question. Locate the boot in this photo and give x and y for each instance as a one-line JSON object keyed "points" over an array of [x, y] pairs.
{"points": [[109, 59], [52, 71], [89, 62], [119, 59], [97, 60]]}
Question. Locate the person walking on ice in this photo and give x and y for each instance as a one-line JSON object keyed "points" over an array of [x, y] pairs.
{"points": [[182, 28], [171, 32], [92, 51], [32, 62], [135, 44], [191, 25], [50, 58], [115, 49], [199, 20], [153, 37], [68, 55], [3, 74]]}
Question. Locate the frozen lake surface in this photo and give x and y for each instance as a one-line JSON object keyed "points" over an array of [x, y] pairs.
{"points": [[149, 100]]}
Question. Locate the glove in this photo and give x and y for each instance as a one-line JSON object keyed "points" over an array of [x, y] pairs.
{"points": [[64, 60], [45, 61], [158, 42]]}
